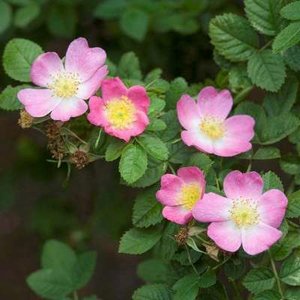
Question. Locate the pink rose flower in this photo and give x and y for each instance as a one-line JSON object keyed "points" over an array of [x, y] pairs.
{"points": [[246, 216], [122, 112], [64, 83], [180, 193], [207, 126]]}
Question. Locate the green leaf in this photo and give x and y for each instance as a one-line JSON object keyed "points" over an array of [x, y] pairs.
{"points": [[268, 295], [25, 15], [153, 75], [152, 292], [133, 163], [293, 210], [61, 20], [207, 279], [138, 241], [18, 56], [234, 269], [5, 16], [8, 97], [279, 127], [290, 164], [258, 280], [146, 209], [271, 181], [156, 105], [290, 271], [114, 150], [84, 269], [177, 87], [291, 11], [59, 256], [110, 9], [173, 127], [91, 298], [267, 153], [134, 22], [266, 70], [156, 125], [49, 283], [153, 271], [187, 287], [200, 160], [129, 67], [233, 37], [154, 146], [287, 38], [292, 58], [264, 15], [292, 294], [179, 153]]}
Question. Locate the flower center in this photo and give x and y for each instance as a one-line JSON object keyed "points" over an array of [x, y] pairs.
{"points": [[65, 85], [244, 213], [212, 127], [120, 112], [189, 195]]}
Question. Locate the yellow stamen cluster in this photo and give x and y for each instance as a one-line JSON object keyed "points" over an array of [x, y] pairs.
{"points": [[65, 85], [244, 213], [121, 113], [189, 195], [212, 127]]}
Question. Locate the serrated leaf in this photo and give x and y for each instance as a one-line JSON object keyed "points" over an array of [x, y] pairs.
{"points": [[268, 295], [200, 160], [153, 75], [25, 15], [114, 150], [134, 23], [152, 292], [5, 16], [18, 56], [287, 38], [293, 210], [290, 271], [173, 126], [233, 37], [187, 287], [264, 15], [138, 241], [207, 279], [258, 280], [266, 70], [129, 67], [291, 11], [110, 9], [49, 283], [8, 97], [292, 58], [267, 153], [133, 163], [146, 209], [156, 105], [153, 271], [179, 153], [234, 269], [290, 164], [292, 293], [154, 146], [156, 125], [177, 87], [271, 181]]}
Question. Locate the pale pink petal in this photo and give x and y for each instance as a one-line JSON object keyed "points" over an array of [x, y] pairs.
{"points": [[241, 127], [212, 208], [272, 207], [138, 95], [38, 102], [68, 108], [226, 235], [83, 60], [259, 238], [246, 185], [89, 88], [44, 67], [177, 214], [187, 112], [113, 88], [198, 140], [191, 175], [231, 147], [214, 103], [97, 112]]}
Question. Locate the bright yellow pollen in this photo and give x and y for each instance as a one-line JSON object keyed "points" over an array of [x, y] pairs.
{"points": [[244, 213], [212, 127], [65, 85], [189, 195], [121, 113]]}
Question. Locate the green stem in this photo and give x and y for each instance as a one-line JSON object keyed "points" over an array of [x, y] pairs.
{"points": [[276, 275], [190, 260], [98, 138], [171, 168], [75, 296], [236, 290]]}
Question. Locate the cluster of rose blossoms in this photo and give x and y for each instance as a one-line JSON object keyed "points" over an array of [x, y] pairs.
{"points": [[245, 216]]}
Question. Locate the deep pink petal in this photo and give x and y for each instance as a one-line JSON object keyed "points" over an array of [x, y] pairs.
{"points": [[68, 108], [272, 207], [138, 95], [90, 87], [38, 102], [259, 238], [191, 175], [83, 60], [214, 103], [44, 67], [243, 185], [212, 208], [187, 112], [177, 214], [113, 88], [198, 140], [226, 235], [96, 115]]}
